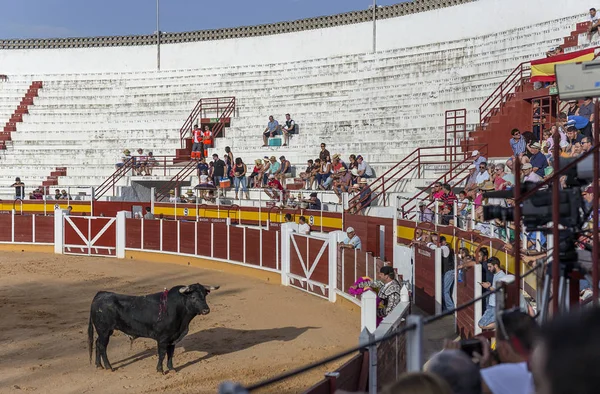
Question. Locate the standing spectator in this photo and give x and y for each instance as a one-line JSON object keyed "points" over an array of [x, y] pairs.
{"points": [[389, 293], [289, 128], [197, 147], [207, 138], [517, 143], [447, 273], [538, 159], [228, 167], [482, 175], [218, 170], [19, 188], [488, 320], [573, 108], [148, 215], [229, 154], [477, 158], [150, 163], [364, 169], [285, 171], [271, 130], [172, 197], [303, 227], [425, 214], [239, 172], [351, 241], [324, 154], [594, 22], [201, 167]]}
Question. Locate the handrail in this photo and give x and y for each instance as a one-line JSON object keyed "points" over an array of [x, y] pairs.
{"points": [[205, 104], [175, 181], [498, 96], [113, 179], [218, 128]]}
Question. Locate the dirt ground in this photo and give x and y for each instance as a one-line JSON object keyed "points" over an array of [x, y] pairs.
{"points": [[255, 330]]}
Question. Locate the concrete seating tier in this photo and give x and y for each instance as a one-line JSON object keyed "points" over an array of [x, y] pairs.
{"points": [[382, 105]]}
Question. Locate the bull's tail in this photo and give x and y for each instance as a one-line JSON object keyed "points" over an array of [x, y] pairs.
{"points": [[90, 337]]}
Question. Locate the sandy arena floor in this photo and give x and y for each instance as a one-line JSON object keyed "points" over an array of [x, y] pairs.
{"points": [[254, 331]]}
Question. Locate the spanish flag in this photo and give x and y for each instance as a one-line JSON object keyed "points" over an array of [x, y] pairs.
{"points": [[543, 70]]}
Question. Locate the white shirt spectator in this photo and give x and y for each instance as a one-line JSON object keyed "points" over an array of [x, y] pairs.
{"points": [[595, 18], [304, 229], [445, 249], [368, 171], [533, 177], [508, 378], [482, 177]]}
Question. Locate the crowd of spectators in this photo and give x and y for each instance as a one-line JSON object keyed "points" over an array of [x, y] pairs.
{"points": [[142, 164]]}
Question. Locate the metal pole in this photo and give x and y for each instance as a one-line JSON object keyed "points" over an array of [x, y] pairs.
{"points": [[555, 229], [414, 344], [595, 205], [514, 299], [374, 26], [158, 35]]}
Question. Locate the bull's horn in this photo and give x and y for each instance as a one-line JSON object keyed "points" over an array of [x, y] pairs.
{"points": [[184, 289], [209, 288]]}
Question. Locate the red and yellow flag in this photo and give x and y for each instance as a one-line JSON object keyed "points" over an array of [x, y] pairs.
{"points": [[543, 70]]}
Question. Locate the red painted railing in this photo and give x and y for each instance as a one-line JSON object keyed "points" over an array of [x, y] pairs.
{"points": [[221, 107], [162, 193], [504, 92]]}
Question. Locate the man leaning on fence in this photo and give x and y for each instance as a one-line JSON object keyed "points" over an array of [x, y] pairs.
{"points": [[390, 292]]}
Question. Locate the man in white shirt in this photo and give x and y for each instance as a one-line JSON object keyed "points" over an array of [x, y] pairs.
{"points": [[351, 241], [303, 227], [487, 321], [529, 175], [364, 169], [595, 21], [477, 158], [483, 175]]}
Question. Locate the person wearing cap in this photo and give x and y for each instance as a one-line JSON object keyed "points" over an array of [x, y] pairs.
{"points": [[529, 175], [172, 197], [477, 158], [313, 202], [517, 143], [538, 159], [274, 189], [588, 198], [364, 169], [365, 197], [425, 214], [389, 293], [581, 123], [125, 157], [351, 241]]}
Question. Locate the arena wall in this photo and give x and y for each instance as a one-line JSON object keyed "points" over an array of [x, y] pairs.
{"points": [[461, 22]]}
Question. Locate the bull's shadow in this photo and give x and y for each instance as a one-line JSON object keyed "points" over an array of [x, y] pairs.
{"points": [[221, 340]]}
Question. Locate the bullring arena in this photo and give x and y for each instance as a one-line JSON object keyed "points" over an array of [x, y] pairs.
{"points": [[400, 110]]}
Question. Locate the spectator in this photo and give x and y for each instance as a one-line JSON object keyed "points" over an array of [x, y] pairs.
{"points": [[573, 136], [218, 172], [425, 214], [538, 159], [572, 108], [148, 215], [229, 160], [389, 294], [458, 370], [289, 128], [364, 169], [447, 273], [324, 154], [365, 197], [254, 180], [150, 163], [207, 138], [353, 163], [265, 171], [285, 171], [336, 165], [324, 172], [477, 158], [19, 188], [274, 189], [581, 123], [351, 241], [57, 194], [197, 147], [594, 22], [69, 210], [517, 143], [586, 144], [201, 167], [274, 167], [271, 130], [418, 383], [307, 175], [303, 227], [471, 178], [140, 160], [436, 191], [125, 157], [313, 202], [64, 195], [515, 339], [239, 172], [448, 198], [499, 181], [228, 168], [342, 184], [487, 321], [482, 175], [288, 218], [172, 197]]}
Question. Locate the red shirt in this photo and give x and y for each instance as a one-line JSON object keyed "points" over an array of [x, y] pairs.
{"points": [[274, 184], [197, 136]]}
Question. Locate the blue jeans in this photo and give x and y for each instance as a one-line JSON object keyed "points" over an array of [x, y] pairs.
{"points": [[237, 181], [447, 285], [489, 316]]}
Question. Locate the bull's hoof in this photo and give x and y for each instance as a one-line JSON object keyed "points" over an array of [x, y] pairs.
{"points": [[160, 371], [98, 366], [171, 370]]}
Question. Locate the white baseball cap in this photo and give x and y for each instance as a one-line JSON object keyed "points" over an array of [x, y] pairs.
{"points": [[475, 153], [350, 230]]}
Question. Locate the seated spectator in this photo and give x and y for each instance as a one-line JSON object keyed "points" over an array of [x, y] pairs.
{"points": [[285, 171], [303, 227], [364, 169], [538, 160], [307, 175], [594, 20], [274, 189], [572, 108], [125, 157], [425, 214], [254, 179], [271, 130], [581, 123], [64, 195], [365, 197], [352, 163], [436, 191], [336, 165], [264, 171], [148, 215], [465, 204], [324, 172], [471, 178], [172, 197], [517, 143], [183, 199], [140, 160], [57, 194], [418, 383], [210, 197], [448, 197], [150, 163], [488, 321], [313, 202], [274, 167], [342, 184], [351, 241], [289, 128], [457, 369], [389, 294], [446, 216], [477, 158], [586, 144], [573, 136], [483, 175], [499, 181]]}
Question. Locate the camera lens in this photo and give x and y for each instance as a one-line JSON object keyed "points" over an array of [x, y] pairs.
{"points": [[491, 212]]}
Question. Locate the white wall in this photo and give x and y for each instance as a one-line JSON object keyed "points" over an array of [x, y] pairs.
{"points": [[454, 23]]}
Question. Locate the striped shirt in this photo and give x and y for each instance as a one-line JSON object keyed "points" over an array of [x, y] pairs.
{"points": [[518, 146]]}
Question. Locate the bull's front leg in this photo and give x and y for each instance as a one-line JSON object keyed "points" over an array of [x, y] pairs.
{"points": [[162, 350], [170, 351]]}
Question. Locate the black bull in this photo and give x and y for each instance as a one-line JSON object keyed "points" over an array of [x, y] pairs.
{"points": [[164, 317]]}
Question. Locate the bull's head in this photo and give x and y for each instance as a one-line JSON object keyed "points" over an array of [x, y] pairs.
{"points": [[195, 298]]}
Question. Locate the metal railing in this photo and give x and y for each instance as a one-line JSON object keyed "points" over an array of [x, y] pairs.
{"points": [[162, 193], [222, 107]]}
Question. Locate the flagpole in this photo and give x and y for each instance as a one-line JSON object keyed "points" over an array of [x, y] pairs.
{"points": [[374, 26], [158, 35]]}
